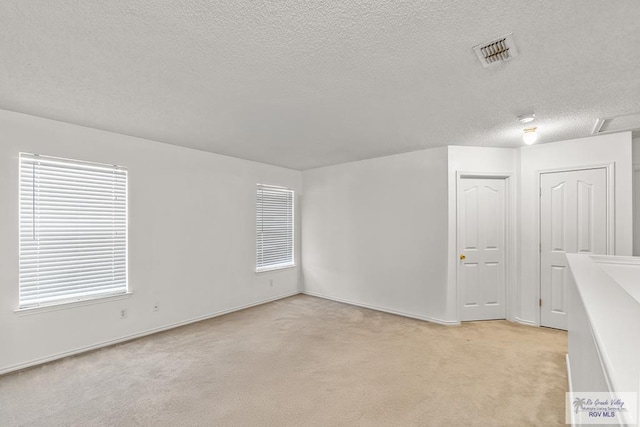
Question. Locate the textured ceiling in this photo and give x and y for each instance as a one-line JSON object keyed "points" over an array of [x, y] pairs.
{"points": [[305, 84]]}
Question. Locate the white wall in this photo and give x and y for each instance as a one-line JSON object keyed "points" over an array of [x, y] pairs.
{"points": [[191, 238], [489, 162], [636, 196], [378, 233], [592, 151], [375, 234], [373, 230]]}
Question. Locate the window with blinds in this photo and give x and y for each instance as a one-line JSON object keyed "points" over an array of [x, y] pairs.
{"points": [[274, 228], [73, 230]]}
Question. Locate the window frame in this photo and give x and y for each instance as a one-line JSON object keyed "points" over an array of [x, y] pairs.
{"points": [[85, 295], [275, 266]]}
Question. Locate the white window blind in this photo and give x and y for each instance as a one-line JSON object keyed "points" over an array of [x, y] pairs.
{"points": [[73, 230], [274, 228]]}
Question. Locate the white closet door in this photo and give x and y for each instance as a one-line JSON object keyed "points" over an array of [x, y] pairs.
{"points": [[573, 219]]}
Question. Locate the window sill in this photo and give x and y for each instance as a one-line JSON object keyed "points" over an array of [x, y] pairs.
{"points": [[71, 304], [272, 269]]}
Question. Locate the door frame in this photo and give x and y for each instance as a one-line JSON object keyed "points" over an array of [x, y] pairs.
{"points": [[611, 235], [636, 207], [510, 243]]}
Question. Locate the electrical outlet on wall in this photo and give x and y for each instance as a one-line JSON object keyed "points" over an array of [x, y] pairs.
{"points": [[271, 282], [123, 313], [156, 306]]}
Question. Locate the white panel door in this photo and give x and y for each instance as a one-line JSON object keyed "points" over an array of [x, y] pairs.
{"points": [[573, 219], [481, 248]]}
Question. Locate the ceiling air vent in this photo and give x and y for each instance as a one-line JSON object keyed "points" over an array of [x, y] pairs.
{"points": [[617, 124], [496, 51]]}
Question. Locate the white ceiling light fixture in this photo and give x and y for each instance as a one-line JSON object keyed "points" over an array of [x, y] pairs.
{"points": [[530, 135]]}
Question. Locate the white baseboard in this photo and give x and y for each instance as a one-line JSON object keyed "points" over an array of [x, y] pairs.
{"points": [[386, 310], [57, 356], [526, 322]]}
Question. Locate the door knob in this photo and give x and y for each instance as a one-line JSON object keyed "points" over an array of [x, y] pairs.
{"points": [[462, 256]]}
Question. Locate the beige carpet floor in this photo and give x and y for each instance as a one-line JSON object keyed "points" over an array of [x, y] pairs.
{"points": [[303, 361]]}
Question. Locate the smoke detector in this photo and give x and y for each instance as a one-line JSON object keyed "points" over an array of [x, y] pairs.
{"points": [[496, 51]]}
